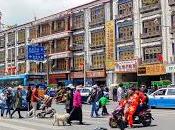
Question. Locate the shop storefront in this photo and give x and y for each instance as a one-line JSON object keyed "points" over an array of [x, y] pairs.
{"points": [[58, 79], [77, 78], [154, 72], [126, 71]]}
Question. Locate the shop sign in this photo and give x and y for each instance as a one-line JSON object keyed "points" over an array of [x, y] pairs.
{"points": [[96, 74], [58, 76], [77, 75], [170, 68], [110, 44], [126, 66], [151, 70]]}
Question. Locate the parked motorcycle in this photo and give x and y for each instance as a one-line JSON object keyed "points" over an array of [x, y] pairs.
{"points": [[117, 119]]}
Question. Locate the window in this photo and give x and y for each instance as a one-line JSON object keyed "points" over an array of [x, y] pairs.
{"points": [[173, 20], [126, 55], [32, 33], [97, 15], [21, 68], [45, 29], [59, 26], [2, 41], [21, 52], [21, 36], [98, 61], [160, 92], [61, 65], [61, 45], [11, 54], [78, 21], [11, 38], [150, 2], [2, 56], [97, 38], [78, 62], [171, 92], [125, 9], [152, 27], [126, 33], [153, 54], [78, 39]]}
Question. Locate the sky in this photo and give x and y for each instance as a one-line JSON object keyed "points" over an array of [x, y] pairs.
{"points": [[22, 11]]}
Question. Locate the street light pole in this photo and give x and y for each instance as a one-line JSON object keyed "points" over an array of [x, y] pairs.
{"points": [[47, 57], [84, 68]]}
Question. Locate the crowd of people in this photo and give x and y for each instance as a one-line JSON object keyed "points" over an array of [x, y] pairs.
{"points": [[133, 100]]}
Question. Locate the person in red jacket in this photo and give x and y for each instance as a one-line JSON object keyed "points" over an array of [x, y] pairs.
{"points": [[133, 105]]}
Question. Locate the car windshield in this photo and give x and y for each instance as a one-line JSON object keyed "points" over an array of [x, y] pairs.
{"points": [[85, 91]]}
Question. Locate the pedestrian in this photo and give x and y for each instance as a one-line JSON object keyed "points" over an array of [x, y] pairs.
{"points": [[114, 93], [99, 95], [69, 100], [9, 101], [119, 92], [18, 102], [28, 97], [34, 101], [92, 101], [76, 113], [103, 102], [3, 103]]}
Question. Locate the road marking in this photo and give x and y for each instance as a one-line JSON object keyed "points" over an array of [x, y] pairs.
{"points": [[33, 123], [7, 125]]}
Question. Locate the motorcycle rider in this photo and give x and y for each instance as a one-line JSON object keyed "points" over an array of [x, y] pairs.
{"points": [[133, 105]]}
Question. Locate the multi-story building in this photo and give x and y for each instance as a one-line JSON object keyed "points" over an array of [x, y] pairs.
{"points": [[74, 41], [144, 27], [88, 26]]}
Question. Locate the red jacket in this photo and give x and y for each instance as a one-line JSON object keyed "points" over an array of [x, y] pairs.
{"points": [[77, 100], [35, 96]]}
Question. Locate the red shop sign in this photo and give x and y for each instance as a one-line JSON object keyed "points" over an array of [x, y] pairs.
{"points": [[96, 74], [77, 75]]}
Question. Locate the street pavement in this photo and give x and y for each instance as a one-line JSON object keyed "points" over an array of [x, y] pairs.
{"points": [[164, 120]]}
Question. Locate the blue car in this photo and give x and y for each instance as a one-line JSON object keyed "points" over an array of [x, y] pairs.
{"points": [[162, 98]]}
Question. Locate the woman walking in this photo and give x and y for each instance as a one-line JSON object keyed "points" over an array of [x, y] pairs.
{"points": [[76, 113]]}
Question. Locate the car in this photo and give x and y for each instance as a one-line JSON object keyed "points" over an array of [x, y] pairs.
{"points": [[85, 93], [162, 98]]}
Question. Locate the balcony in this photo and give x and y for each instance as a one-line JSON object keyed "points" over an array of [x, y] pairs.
{"points": [[119, 17], [77, 47], [61, 55], [149, 8], [74, 28], [151, 35], [21, 57], [95, 46], [97, 67], [124, 40], [171, 2], [97, 22], [52, 37]]}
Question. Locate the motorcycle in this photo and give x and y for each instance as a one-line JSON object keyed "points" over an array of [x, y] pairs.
{"points": [[117, 120]]}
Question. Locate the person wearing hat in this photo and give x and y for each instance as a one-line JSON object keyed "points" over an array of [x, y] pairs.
{"points": [[9, 101], [18, 102]]}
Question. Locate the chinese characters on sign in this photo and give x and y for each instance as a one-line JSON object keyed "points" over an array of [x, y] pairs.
{"points": [[126, 66], [151, 70], [110, 45], [35, 53]]}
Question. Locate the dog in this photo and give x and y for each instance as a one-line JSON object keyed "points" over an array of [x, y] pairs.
{"points": [[61, 118]]}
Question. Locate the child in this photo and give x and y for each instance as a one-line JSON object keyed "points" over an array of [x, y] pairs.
{"points": [[103, 102]]}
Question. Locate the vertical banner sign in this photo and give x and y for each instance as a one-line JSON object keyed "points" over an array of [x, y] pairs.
{"points": [[110, 44]]}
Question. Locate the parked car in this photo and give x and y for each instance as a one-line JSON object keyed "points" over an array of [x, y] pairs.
{"points": [[85, 93], [162, 98]]}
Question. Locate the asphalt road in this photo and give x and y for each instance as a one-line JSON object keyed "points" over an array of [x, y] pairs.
{"points": [[164, 120]]}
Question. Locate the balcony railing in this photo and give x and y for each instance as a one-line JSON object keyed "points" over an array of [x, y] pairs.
{"points": [[124, 40], [77, 27], [93, 46], [150, 8], [21, 57], [150, 35], [96, 67], [97, 22], [77, 47], [171, 2], [119, 17], [150, 61]]}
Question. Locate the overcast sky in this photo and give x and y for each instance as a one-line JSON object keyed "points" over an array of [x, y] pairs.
{"points": [[22, 11]]}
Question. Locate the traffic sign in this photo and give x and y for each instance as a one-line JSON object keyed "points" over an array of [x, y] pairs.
{"points": [[35, 53]]}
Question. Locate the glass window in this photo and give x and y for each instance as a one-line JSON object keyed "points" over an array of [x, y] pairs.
{"points": [[2, 41], [97, 38], [21, 36], [171, 92], [78, 20], [97, 15], [160, 92], [11, 38]]}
